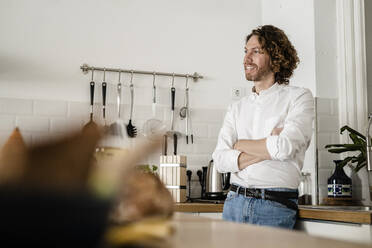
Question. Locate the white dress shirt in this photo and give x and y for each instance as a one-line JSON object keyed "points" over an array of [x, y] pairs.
{"points": [[254, 117]]}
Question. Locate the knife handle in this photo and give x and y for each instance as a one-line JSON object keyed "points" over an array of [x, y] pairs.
{"points": [[91, 99], [175, 144], [173, 96], [91, 93], [165, 146], [104, 87]]}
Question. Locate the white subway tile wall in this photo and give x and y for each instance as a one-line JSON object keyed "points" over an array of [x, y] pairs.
{"points": [[33, 124], [50, 108], [328, 133], [16, 106], [41, 120], [7, 123]]}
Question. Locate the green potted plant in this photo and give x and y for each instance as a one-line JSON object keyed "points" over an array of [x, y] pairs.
{"points": [[358, 158]]}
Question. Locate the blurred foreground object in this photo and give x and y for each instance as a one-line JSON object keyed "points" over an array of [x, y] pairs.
{"points": [[49, 193], [143, 195], [140, 231], [12, 158]]}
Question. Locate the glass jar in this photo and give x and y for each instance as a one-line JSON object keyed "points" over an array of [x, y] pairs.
{"points": [[304, 190], [339, 184]]}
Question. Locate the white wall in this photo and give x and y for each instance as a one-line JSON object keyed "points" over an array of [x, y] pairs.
{"points": [[43, 44], [368, 28], [296, 18], [326, 48]]}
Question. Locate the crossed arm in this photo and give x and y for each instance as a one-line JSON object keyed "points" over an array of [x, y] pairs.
{"points": [[253, 151]]}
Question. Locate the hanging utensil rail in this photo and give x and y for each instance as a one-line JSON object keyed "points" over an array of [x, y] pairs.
{"points": [[85, 68]]}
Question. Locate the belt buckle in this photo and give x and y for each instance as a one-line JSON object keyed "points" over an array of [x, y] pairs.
{"points": [[257, 193], [245, 192]]}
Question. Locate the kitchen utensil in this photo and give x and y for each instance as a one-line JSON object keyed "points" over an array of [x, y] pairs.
{"points": [[165, 145], [189, 174], [153, 125], [188, 115], [199, 173], [189, 125], [104, 89], [184, 111], [131, 129], [91, 97], [216, 183], [117, 128], [172, 133], [204, 181], [92, 84]]}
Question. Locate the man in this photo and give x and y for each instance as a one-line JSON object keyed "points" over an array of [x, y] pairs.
{"points": [[265, 135]]}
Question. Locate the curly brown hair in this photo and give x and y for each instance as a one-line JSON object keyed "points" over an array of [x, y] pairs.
{"points": [[283, 55]]}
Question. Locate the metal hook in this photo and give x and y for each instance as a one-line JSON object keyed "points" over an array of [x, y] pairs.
{"points": [[173, 79], [92, 74], [153, 81], [187, 81], [153, 93], [104, 74], [131, 77]]}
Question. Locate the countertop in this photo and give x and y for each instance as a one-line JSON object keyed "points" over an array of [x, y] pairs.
{"points": [[195, 231], [342, 215]]}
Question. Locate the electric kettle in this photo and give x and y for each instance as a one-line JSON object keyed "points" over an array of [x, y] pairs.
{"points": [[217, 184]]}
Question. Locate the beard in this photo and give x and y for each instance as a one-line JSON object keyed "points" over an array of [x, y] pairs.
{"points": [[259, 75]]}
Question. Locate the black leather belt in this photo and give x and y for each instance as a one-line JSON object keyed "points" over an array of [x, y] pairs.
{"points": [[281, 197]]}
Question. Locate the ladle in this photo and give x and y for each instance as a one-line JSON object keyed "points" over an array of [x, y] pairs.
{"points": [[153, 126], [118, 127]]}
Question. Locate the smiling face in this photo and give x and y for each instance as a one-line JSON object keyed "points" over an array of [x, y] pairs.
{"points": [[256, 62]]}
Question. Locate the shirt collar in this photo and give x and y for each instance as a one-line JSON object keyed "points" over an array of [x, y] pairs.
{"points": [[268, 91]]}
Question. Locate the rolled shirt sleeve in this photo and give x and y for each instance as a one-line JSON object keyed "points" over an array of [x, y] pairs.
{"points": [[225, 158], [297, 129]]}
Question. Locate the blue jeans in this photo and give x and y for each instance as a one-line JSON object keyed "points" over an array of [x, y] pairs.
{"points": [[239, 208]]}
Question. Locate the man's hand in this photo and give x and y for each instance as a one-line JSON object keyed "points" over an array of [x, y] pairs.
{"points": [[246, 160], [256, 148], [276, 131]]}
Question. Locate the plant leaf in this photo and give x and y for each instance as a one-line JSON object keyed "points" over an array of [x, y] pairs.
{"points": [[345, 146], [351, 131], [359, 144], [342, 150], [360, 166], [345, 161]]}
